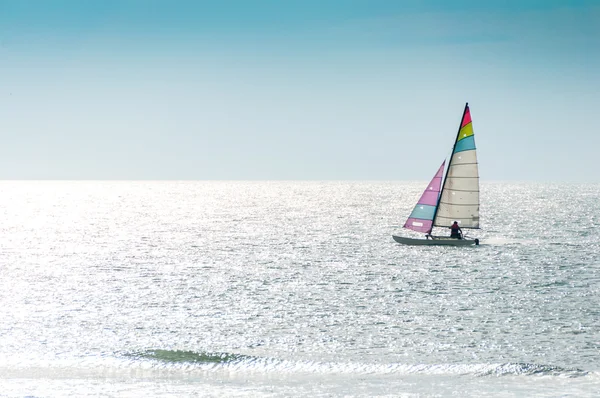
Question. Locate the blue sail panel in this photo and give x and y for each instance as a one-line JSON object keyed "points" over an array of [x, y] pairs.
{"points": [[466, 144], [423, 212]]}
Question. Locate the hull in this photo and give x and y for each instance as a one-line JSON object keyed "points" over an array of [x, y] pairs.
{"points": [[435, 241]]}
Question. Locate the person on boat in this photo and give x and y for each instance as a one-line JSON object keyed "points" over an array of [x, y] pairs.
{"points": [[455, 231]]}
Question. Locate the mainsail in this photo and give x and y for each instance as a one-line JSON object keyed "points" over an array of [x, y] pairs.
{"points": [[421, 218], [459, 199]]}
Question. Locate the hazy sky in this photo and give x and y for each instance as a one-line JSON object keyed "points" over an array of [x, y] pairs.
{"points": [[297, 89]]}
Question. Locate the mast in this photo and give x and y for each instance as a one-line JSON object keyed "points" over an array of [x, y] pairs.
{"points": [[449, 164]]}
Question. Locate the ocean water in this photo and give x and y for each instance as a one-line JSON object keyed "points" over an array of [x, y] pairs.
{"points": [[280, 289]]}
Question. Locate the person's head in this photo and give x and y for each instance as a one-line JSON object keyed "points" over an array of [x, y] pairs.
{"points": [[455, 222]]}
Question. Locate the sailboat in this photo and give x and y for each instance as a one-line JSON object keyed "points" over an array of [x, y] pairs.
{"points": [[450, 196]]}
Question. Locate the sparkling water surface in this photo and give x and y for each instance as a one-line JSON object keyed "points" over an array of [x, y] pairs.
{"points": [[294, 289]]}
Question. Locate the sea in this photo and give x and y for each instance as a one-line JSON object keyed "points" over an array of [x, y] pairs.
{"points": [[294, 289]]}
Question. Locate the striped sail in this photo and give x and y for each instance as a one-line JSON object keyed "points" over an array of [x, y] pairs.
{"points": [[459, 200], [421, 218]]}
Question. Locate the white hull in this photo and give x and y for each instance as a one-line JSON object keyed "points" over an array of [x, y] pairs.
{"points": [[435, 241]]}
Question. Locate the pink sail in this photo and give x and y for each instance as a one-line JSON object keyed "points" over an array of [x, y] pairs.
{"points": [[421, 218]]}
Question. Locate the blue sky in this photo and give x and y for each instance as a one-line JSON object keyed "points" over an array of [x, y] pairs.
{"points": [[297, 89]]}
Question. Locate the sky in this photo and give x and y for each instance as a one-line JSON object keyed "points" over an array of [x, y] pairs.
{"points": [[297, 89]]}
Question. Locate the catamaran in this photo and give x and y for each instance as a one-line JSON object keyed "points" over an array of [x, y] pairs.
{"points": [[450, 196]]}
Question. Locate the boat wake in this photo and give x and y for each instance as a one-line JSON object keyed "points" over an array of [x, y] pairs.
{"points": [[501, 241]]}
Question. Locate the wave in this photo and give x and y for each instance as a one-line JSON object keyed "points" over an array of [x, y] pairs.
{"points": [[177, 356], [239, 362], [178, 363]]}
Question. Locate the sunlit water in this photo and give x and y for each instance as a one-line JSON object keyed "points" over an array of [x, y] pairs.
{"points": [[294, 289]]}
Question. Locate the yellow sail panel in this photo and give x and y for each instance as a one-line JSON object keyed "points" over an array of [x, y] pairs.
{"points": [[465, 131]]}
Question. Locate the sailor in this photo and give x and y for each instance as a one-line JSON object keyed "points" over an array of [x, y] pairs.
{"points": [[455, 231]]}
